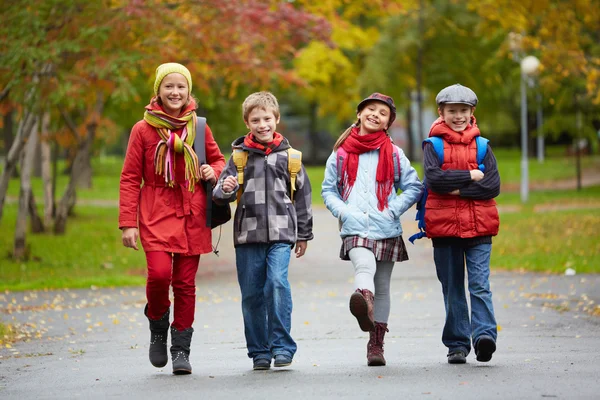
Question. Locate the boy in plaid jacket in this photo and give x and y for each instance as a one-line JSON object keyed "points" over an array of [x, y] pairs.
{"points": [[267, 225]]}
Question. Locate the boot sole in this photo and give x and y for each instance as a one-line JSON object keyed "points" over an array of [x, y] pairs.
{"points": [[359, 308], [485, 348], [279, 365], [159, 365], [376, 363], [182, 372]]}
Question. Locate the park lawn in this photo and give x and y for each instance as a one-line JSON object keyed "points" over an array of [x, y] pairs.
{"points": [[548, 241], [89, 254]]}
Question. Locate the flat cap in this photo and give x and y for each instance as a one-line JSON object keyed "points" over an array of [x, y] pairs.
{"points": [[456, 94]]}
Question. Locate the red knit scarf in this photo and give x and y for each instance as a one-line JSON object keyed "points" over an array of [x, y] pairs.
{"points": [[250, 141], [355, 145]]}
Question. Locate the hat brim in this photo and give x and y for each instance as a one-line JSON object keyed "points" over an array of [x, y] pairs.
{"points": [[457, 102], [363, 103]]}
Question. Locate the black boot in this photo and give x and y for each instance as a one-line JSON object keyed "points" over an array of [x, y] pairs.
{"points": [[159, 330], [180, 350]]}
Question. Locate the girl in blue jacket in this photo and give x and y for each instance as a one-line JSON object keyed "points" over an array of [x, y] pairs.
{"points": [[362, 177]]}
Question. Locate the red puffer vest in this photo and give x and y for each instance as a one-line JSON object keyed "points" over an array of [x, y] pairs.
{"points": [[455, 216]]}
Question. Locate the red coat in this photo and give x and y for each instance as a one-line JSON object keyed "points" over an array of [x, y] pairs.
{"points": [[455, 216], [170, 219]]}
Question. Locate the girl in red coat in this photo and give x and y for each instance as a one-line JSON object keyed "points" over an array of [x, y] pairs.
{"points": [[163, 202]]}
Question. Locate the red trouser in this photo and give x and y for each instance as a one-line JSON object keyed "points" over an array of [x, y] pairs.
{"points": [[162, 268]]}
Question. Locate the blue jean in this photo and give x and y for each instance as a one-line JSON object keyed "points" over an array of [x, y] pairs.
{"points": [[266, 299], [450, 267]]}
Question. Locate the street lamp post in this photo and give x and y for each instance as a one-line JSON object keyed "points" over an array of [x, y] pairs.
{"points": [[529, 66], [540, 132]]}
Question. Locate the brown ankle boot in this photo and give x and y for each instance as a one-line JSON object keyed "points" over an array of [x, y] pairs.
{"points": [[361, 306], [375, 346]]}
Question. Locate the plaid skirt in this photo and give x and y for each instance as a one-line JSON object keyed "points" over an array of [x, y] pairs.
{"points": [[392, 249]]}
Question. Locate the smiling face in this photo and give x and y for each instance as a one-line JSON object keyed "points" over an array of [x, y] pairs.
{"points": [[374, 117], [174, 93], [456, 116], [262, 124]]}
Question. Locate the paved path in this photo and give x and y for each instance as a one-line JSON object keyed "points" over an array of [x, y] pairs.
{"points": [[93, 343]]}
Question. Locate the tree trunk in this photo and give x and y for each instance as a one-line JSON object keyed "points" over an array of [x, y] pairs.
{"points": [[578, 148], [29, 119], [313, 138], [67, 202], [37, 224], [20, 246], [54, 176], [409, 131], [46, 157], [419, 74], [25, 128], [84, 180], [7, 130]]}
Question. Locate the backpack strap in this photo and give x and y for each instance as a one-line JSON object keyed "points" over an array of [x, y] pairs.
{"points": [[200, 148], [397, 171], [438, 146], [482, 145], [340, 155], [294, 166], [240, 158]]}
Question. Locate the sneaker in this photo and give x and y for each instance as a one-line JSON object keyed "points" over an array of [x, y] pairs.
{"points": [[458, 357], [281, 360], [261, 364], [485, 346]]}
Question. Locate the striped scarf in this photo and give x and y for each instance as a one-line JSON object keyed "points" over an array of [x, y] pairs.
{"points": [[171, 143], [250, 141]]}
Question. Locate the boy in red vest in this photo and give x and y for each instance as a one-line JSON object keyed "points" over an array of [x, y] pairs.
{"points": [[461, 217]]}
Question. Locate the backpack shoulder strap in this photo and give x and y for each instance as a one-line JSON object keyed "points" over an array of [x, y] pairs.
{"points": [[199, 144], [438, 146], [482, 145], [200, 148], [340, 155], [397, 171], [294, 166], [240, 159]]}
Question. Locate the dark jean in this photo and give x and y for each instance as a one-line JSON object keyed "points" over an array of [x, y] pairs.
{"points": [[450, 267], [266, 299]]}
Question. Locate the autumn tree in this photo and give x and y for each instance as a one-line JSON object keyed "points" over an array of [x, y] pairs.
{"points": [[76, 56]]}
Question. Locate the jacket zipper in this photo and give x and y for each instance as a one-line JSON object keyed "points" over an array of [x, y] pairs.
{"points": [[266, 199]]}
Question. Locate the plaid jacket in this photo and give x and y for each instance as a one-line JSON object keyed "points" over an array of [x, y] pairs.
{"points": [[265, 213]]}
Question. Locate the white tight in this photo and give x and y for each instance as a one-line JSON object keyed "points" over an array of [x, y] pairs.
{"points": [[375, 276]]}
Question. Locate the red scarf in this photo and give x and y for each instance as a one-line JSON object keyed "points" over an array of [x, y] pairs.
{"points": [[250, 141], [355, 145]]}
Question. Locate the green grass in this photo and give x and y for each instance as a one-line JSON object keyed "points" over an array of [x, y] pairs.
{"points": [[556, 166], [548, 242], [587, 195], [89, 254]]}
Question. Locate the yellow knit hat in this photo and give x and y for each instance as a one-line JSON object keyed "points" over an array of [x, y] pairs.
{"points": [[169, 68]]}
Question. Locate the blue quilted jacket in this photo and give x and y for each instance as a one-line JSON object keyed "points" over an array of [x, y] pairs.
{"points": [[359, 215]]}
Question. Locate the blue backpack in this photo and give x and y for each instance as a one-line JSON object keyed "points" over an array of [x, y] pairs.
{"points": [[438, 145]]}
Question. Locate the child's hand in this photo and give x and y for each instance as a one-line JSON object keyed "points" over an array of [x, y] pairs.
{"points": [[207, 173], [229, 184], [301, 248], [476, 175], [130, 237]]}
